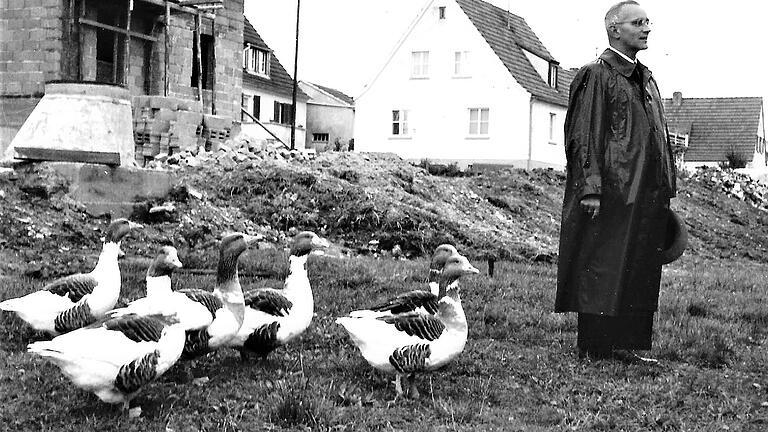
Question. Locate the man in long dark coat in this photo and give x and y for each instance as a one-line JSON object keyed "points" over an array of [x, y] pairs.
{"points": [[620, 178]]}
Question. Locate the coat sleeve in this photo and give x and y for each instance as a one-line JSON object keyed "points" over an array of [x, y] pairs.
{"points": [[585, 125]]}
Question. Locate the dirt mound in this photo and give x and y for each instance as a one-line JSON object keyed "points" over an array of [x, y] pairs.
{"points": [[365, 203]]}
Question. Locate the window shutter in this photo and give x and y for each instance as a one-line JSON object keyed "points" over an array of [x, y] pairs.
{"points": [[276, 118], [257, 107]]}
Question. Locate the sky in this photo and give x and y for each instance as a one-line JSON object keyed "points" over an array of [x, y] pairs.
{"points": [[700, 48]]}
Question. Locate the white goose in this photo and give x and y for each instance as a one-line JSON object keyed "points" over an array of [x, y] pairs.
{"points": [[116, 357], [275, 317], [77, 300], [414, 342], [209, 318], [414, 300]]}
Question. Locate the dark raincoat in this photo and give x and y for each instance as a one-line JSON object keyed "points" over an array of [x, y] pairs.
{"points": [[616, 148]]}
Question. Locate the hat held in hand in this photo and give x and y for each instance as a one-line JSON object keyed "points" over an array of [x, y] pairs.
{"points": [[675, 240]]}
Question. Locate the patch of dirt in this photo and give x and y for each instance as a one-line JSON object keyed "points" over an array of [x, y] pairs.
{"points": [[364, 203]]}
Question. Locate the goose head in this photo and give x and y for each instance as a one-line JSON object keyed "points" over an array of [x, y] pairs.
{"points": [[307, 241], [436, 265], [165, 262], [230, 249], [456, 266], [118, 229]]}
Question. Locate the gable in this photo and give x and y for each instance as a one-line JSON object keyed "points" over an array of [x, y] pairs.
{"points": [[509, 35], [279, 82], [716, 126]]}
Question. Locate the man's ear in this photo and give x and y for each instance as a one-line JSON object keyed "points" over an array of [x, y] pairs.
{"points": [[613, 31]]}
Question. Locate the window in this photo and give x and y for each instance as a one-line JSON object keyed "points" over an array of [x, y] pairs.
{"points": [[419, 64], [252, 105], [320, 137], [461, 63], [552, 122], [206, 60], [282, 113], [441, 12], [478, 121], [256, 60], [399, 122], [678, 140], [552, 75]]}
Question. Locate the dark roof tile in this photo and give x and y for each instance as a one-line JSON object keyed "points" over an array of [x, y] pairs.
{"points": [[716, 126], [508, 34]]}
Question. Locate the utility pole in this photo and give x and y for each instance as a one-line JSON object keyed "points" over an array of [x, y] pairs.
{"points": [[295, 83]]}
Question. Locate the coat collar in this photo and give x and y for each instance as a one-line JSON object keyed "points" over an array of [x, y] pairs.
{"points": [[624, 67]]}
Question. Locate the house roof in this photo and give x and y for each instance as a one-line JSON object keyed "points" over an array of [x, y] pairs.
{"points": [[322, 95], [336, 93], [716, 126], [508, 34], [279, 82]]}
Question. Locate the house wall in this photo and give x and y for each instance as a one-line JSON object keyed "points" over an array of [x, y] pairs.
{"points": [[546, 150], [439, 105], [336, 121], [267, 119]]}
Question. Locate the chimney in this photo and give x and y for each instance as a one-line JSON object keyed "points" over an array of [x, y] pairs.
{"points": [[677, 99]]}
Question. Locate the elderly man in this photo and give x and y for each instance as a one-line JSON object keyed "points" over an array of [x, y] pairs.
{"points": [[620, 178]]}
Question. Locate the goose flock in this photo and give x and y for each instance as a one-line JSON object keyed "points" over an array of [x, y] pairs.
{"points": [[115, 352]]}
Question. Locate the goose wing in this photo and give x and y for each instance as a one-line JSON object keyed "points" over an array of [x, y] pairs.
{"points": [[409, 302], [269, 301], [205, 298], [423, 326], [74, 286]]}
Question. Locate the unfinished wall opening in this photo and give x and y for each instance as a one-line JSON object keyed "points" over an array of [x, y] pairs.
{"points": [[206, 61]]}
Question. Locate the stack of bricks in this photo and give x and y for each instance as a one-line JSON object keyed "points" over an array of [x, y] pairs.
{"points": [[164, 126], [216, 130]]}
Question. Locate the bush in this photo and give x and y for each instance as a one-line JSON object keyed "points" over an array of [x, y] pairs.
{"points": [[734, 160], [443, 170]]}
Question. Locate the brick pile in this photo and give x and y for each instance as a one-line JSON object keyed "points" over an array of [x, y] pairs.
{"points": [[229, 154], [165, 126], [736, 184]]}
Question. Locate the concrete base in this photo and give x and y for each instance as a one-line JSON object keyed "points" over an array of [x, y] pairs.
{"points": [[104, 189]]}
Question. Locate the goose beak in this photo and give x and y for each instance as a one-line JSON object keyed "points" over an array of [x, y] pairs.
{"points": [[134, 225], [250, 240], [176, 263], [470, 269], [120, 254], [319, 242]]}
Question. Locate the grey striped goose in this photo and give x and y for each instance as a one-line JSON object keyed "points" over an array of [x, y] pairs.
{"points": [[116, 357], [414, 342], [414, 300], [77, 300], [275, 317]]}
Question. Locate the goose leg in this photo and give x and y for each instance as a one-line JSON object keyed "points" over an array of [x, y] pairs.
{"points": [[413, 392], [398, 386]]}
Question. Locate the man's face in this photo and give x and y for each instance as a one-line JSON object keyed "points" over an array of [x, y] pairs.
{"points": [[633, 29]]}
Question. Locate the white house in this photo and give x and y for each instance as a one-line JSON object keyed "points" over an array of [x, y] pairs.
{"points": [[330, 117], [471, 83], [267, 94]]}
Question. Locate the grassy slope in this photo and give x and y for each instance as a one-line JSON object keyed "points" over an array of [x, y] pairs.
{"points": [[518, 371]]}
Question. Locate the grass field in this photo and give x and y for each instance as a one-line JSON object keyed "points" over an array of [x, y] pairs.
{"points": [[519, 371]]}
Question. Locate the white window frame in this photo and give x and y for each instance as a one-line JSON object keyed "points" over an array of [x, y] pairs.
{"points": [[461, 64], [400, 119], [256, 61], [678, 140], [476, 121], [552, 126], [419, 64], [552, 77]]}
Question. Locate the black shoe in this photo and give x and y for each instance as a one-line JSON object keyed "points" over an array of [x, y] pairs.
{"points": [[594, 354]]}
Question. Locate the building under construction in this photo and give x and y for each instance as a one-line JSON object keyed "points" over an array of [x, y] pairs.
{"points": [[188, 52]]}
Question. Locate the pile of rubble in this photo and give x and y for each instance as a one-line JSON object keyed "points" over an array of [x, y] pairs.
{"points": [[232, 152], [736, 184]]}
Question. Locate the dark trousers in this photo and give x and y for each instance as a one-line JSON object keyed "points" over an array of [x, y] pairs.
{"points": [[601, 333]]}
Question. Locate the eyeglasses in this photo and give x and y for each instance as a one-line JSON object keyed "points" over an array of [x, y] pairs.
{"points": [[640, 22]]}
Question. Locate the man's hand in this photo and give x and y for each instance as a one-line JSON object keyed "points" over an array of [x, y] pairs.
{"points": [[590, 204]]}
